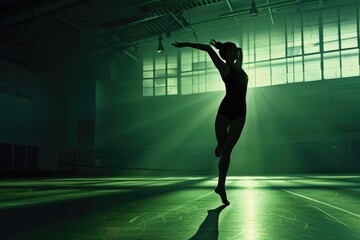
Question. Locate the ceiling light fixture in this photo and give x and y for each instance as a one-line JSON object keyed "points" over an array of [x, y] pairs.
{"points": [[253, 10], [160, 48]]}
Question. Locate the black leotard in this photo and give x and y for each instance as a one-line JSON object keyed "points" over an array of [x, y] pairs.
{"points": [[233, 106]]}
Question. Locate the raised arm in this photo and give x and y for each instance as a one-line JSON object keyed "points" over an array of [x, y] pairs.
{"points": [[219, 64]]}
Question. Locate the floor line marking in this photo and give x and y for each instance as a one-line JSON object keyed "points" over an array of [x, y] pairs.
{"points": [[336, 220], [135, 218], [323, 203], [181, 206]]}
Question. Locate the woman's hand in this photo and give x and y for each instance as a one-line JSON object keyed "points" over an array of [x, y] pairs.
{"points": [[180, 44], [212, 42]]}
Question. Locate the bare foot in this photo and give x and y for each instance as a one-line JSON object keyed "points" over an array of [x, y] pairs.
{"points": [[222, 194]]}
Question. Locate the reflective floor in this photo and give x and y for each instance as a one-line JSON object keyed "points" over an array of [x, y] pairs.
{"points": [[281, 207]]}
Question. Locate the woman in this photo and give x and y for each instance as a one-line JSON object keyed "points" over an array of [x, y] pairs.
{"points": [[231, 115]]}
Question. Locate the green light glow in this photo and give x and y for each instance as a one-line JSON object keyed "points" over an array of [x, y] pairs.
{"points": [[251, 227], [36, 192]]}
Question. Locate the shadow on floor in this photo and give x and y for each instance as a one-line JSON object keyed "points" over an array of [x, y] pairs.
{"points": [[209, 228]]}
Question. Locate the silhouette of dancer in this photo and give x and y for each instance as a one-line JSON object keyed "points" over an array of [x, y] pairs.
{"points": [[231, 115]]}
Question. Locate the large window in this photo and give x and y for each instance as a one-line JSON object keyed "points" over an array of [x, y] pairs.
{"points": [[309, 46], [160, 75], [198, 73]]}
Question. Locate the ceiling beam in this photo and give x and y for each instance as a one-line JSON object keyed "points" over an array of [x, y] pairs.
{"points": [[270, 12], [41, 14], [132, 56], [82, 30], [232, 10], [262, 7], [187, 28]]}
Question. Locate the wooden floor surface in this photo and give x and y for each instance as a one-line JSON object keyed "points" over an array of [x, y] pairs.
{"points": [[171, 208]]}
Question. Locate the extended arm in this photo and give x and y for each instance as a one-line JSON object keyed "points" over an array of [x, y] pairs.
{"points": [[200, 46], [219, 64]]}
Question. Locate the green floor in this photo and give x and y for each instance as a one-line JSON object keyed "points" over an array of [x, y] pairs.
{"points": [[282, 207]]}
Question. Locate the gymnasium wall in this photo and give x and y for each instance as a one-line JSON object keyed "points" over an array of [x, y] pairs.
{"points": [[307, 127], [31, 122]]}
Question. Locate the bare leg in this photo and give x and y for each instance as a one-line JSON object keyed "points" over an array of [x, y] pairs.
{"points": [[221, 131], [235, 130]]}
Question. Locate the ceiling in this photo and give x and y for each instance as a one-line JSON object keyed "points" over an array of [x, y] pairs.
{"points": [[40, 34]]}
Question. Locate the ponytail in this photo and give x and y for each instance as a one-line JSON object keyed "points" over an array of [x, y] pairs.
{"points": [[223, 47]]}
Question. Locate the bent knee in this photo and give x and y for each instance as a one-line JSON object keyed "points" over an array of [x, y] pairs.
{"points": [[226, 154]]}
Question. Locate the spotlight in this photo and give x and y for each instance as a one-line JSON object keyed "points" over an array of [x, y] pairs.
{"points": [[253, 10], [160, 48]]}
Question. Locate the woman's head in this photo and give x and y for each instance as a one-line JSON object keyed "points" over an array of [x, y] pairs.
{"points": [[228, 51]]}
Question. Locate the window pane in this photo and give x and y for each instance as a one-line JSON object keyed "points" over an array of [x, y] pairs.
{"points": [[160, 73], [330, 30], [277, 39], [148, 83], [148, 92], [186, 60], [262, 74], [148, 67], [172, 81], [248, 44], [348, 27], [195, 82], [331, 38], [245, 38], [278, 46], [199, 61], [294, 43], [311, 33], [148, 64], [251, 53], [172, 90], [348, 35], [290, 70], [312, 65], [159, 91], [298, 69], [172, 61], [187, 74], [278, 71], [172, 72], [331, 65], [199, 65], [160, 61], [148, 74], [350, 63], [186, 90], [202, 81], [262, 45], [186, 85], [159, 82]]}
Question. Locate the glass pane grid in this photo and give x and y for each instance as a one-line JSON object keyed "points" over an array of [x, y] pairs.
{"points": [[350, 63], [286, 53]]}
